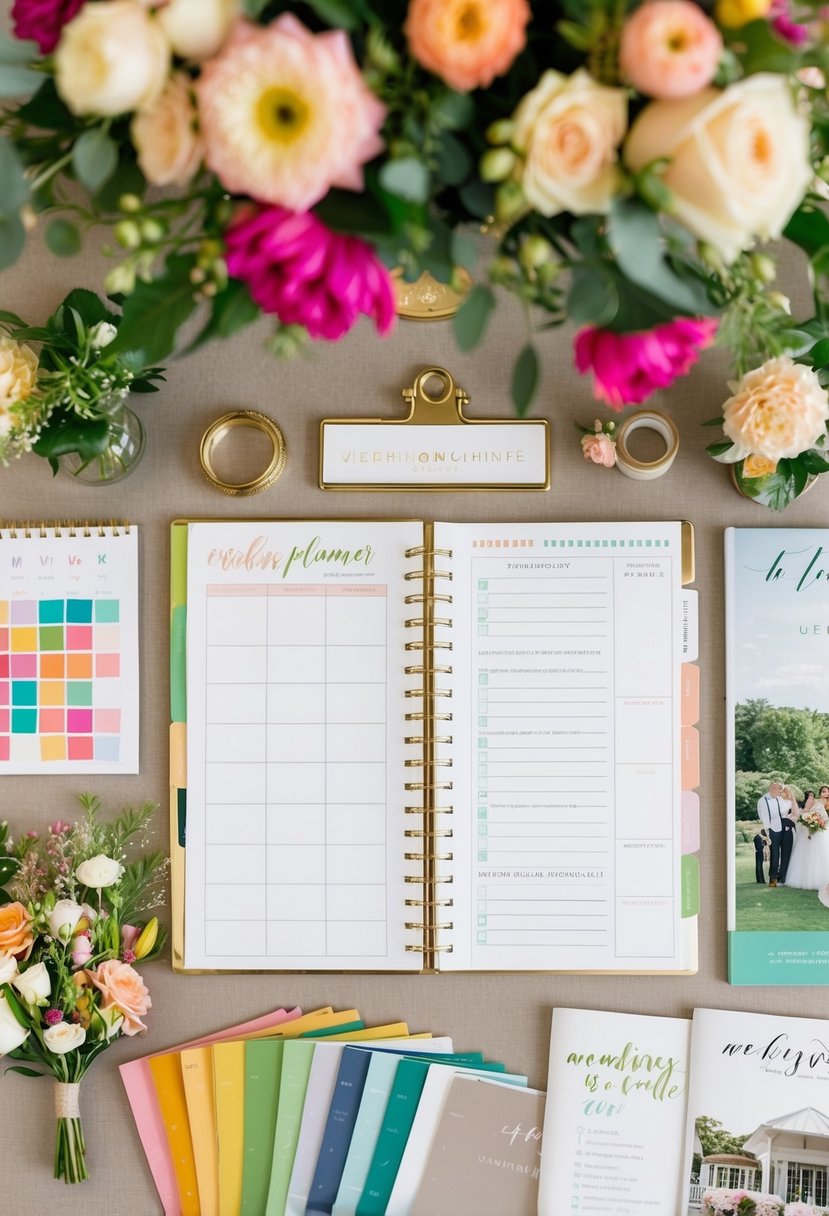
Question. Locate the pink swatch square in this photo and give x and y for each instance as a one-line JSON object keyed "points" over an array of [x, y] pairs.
{"points": [[107, 637], [4, 693], [79, 721], [4, 747], [4, 639], [108, 721], [4, 721], [80, 747], [52, 721], [78, 637], [24, 666], [107, 665]]}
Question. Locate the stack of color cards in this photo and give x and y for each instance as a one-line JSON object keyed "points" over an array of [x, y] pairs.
{"points": [[319, 1115]]}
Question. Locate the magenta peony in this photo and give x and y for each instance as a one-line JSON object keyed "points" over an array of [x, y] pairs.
{"points": [[627, 368], [784, 24], [42, 20], [305, 274]]}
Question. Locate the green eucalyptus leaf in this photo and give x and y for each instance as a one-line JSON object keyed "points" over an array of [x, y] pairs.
{"points": [[819, 354], [470, 321], [454, 110], [13, 50], [406, 178], [593, 298], [12, 239], [62, 238], [16, 80], [127, 179], [636, 239], [478, 198], [464, 251], [8, 867], [65, 433], [47, 111], [94, 158], [719, 449], [155, 311], [340, 13], [454, 163], [363, 214], [525, 376], [15, 191]]}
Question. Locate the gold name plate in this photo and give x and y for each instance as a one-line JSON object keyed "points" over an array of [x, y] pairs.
{"points": [[436, 447]]}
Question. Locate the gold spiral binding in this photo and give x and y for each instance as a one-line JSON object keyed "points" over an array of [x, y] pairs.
{"points": [[57, 529], [430, 857]]}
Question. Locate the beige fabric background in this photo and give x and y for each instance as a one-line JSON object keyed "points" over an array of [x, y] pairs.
{"points": [[508, 1016]]}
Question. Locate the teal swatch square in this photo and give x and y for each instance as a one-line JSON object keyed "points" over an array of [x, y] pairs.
{"points": [[108, 611], [79, 612], [79, 693], [51, 637], [24, 692], [24, 721], [51, 612]]}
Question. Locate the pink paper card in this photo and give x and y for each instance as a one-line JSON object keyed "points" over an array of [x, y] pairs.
{"points": [[141, 1096]]}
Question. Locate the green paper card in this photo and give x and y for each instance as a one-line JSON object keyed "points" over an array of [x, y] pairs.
{"points": [[391, 1144], [263, 1070], [296, 1067]]}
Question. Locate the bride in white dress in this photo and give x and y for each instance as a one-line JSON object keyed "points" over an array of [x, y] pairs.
{"points": [[809, 865]]}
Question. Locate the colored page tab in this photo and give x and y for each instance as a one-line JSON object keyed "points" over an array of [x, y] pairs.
{"points": [[690, 757], [395, 1030], [293, 1083], [197, 1075], [229, 1094], [391, 1144], [172, 1104], [690, 885], [339, 1127], [689, 694], [263, 1069]]}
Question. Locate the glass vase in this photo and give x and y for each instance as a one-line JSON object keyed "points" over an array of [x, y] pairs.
{"points": [[126, 446]]}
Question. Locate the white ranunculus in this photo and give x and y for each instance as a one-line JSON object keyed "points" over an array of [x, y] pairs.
{"points": [[12, 1034], [98, 872], [34, 984], [66, 1036], [197, 28], [8, 967], [63, 918], [739, 160], [568, 130], [112, 58]]}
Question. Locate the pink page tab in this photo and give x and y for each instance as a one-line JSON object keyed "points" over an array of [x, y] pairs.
{"points": [[141, 1096]]}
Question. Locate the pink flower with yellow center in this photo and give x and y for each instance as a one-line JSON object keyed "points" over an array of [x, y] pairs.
{"points": [[286, 115], [467, 43]]}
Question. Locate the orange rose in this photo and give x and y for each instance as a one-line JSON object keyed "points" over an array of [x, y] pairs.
{"points": [[123, 989], [758, 466], [16, 935], [467, 43]]}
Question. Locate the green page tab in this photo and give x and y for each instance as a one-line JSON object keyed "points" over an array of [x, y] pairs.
{"points": [[391, 1144], [263, 1069], [690, 884], [296, 1067]]}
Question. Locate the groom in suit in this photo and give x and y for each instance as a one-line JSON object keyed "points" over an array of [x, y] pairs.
{"points": [[773, 813]]}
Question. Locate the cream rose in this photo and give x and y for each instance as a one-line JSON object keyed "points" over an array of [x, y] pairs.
{"points": [[99, 872], [739, 159], [34, 984], [777, 411], [567, 131], [166, 136], [197, 28], [66, 1036], [12, 1034], [8, 967], [114, 57], [63, 918], [18, 378]]}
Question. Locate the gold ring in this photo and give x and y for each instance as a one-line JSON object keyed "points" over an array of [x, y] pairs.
{"points": [[220, 428]]}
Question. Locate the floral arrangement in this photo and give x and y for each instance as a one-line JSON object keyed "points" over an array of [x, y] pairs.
{"points": [[724, 1202], [598, 444], [60, 401], [625, 159], [813, 820], [73, 907]]}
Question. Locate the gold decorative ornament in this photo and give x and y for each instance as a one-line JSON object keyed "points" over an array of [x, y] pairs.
{"points": [[427, 299], [219, 429]]}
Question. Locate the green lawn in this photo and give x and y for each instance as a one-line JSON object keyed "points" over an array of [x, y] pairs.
{"points": [[774, 908]]}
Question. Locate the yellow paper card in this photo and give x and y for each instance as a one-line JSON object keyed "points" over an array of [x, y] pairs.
{"points": [[197, 1075], [169, 1089], [229, 1096], [308, 1023]]}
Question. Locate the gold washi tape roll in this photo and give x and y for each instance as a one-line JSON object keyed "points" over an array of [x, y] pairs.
{"points": [[646, 420], [217, 431]]}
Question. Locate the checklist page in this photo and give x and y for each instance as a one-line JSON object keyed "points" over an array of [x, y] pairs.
{"points": [[296, 703], [566, 774]]}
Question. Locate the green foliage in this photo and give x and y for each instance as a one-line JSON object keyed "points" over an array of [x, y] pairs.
{"points": [[95, 158], [780, 744], [775, 490], [472, 318], [715, 1138], [62, 238], [156, 310], [408, 178], [525, 376]]}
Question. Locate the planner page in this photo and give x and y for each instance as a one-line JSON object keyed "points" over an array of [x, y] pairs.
{"points": [[565, 751], [615, 1129], [296, 703]]}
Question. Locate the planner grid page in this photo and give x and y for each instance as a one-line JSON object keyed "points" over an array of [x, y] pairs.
{"points": [[566, 746], [296, 703]]}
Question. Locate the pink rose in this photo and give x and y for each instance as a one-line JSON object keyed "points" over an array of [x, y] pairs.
{"points": [[669, 48], [123, 989], [81, 950], [600, 449]]}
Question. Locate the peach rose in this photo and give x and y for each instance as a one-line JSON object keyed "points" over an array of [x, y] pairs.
{"points": [[600, 449], [567, 131], [122, 989], [758, 466], [739, 159], [166, 135], [16, 935], [18, 378], [669, 48], [467, 43], [777, 412]]}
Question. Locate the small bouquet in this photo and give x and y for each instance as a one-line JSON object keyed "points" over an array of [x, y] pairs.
{"points": [[61, 401], [72, 923], [814, 821], [724, 1202]]}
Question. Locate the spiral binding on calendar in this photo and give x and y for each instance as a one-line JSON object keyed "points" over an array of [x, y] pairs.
{"points": [[430, 849], [49, 529]]}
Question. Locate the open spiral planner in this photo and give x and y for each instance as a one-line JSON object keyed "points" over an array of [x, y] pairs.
{"points": [[399, 746]]}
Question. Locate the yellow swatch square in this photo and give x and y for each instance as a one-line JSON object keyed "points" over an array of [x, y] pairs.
{"points": [[53, 747], [24, 639], [52, 692]]}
